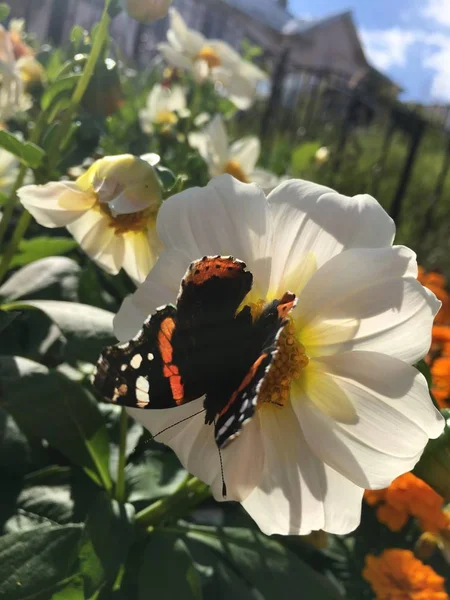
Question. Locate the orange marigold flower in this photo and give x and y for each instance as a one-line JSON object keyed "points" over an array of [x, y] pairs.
{"points": [[408, 496], [440, 371], [397, 575]]}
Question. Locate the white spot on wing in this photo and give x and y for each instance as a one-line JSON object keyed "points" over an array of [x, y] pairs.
{"points": [[150, 356], [136, 361]]}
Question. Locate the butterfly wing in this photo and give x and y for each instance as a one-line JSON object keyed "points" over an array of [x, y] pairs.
{"points": [[179, 351], [242, 403]]}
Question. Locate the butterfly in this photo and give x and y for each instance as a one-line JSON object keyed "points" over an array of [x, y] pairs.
{"points": [[207, 345]]}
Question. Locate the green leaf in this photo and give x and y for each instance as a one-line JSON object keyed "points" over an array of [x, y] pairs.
{"points": [[44, 504], [6, 318], [60, 86], [108, 538], [425, 370], [41, 247], [434, 464], [35, 563], [72, 590], [77, 34], [302, 156], [27, 152], [4, 11], [264, 563], [54, 277], [47, 405], [167, 570], [158, 475], [88, 329]]}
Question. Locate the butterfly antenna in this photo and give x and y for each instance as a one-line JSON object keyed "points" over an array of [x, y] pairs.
{"points": [[224, 485], [162, 431]]}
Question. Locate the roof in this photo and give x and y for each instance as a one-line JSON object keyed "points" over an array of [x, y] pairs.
{"points": [[268, 12], [300, 26]]}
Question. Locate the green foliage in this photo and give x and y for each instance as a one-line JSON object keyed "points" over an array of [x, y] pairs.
{"points": [[28, 153], [4, 11]]}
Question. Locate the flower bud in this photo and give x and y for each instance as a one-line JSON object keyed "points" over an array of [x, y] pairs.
{"points": [[126, 183], [147, 10], [322, 155]]}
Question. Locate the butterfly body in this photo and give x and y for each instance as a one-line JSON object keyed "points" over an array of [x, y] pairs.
{"points": [[204, 346]]}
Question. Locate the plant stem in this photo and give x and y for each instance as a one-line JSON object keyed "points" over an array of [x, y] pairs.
{"points": [[175, 506], [120, 484], [9, 206], [10, 251]]}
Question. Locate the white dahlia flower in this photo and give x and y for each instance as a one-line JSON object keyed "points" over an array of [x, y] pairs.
{"points": [[353, 413]]}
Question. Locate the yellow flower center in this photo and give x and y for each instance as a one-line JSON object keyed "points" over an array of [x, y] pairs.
{"points": [[286, 367], [210, 56], [137, 221], [234, 168], [166, 117]]}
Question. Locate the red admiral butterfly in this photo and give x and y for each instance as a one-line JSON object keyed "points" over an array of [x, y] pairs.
{"points": [[203, 346]]}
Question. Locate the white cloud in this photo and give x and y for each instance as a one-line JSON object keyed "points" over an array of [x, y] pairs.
{"points": [[437, 10], [438, 59], [386, 48]]}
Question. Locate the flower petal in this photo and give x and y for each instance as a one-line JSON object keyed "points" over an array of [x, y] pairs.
{"points": [[395, 417], [309, 218], [264, 179], [99, 241], [161, 287], [218, 140], [173, 57], [240, 90], [289, 496], [194, 444], [55, 204], [368, 299], [141, 252], [225, 217], [188, 40], [246, 152]]}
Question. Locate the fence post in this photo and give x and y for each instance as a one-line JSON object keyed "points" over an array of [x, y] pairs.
{"points": [[381, 163], [57, 22], [346, 126], [278, 75], [416, 136], [437, 194]]}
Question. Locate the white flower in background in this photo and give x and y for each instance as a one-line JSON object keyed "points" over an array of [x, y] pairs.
{"points": [[110, 210], [146, 11], [164, 105], [322, 155], [238, 159], [9, 169], [211, 59], [358, 414], [13, 98]]}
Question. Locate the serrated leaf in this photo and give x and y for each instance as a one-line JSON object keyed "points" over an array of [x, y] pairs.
{"points": [[87, 329], [27, 152], [35, 563], [54, 277], [265, 563], [65, 85], [167, 570], [107, 540], [41, 247], [47, 405]]}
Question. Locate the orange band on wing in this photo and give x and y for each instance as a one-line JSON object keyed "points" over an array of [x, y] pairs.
{"points": [[247, 379], [166, 350]]}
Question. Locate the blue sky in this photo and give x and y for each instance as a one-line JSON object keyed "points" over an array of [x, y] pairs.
{"points": [[409, 40]]}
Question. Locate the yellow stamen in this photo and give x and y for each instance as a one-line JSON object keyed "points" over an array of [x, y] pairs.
{"points": [[286, 367], [234, 168], [137, 221], [210, 56], [166, 117]]}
